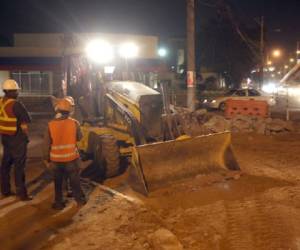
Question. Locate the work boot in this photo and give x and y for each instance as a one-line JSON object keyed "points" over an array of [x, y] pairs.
{"points": [[81, 202], [58, 205]]}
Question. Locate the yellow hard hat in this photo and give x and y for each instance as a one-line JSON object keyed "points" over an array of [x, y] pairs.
{"points": [[10, 84], [63, 105]]}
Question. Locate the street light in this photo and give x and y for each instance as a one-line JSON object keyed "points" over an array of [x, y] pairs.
{"points": [[162, 52], [276, 53], [100, 51], [128, 50]]}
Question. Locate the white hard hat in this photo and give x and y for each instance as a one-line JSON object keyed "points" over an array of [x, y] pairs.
{"points": [[10, 84], [70, 99]]}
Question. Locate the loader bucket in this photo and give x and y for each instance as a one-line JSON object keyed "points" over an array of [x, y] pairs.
{"points": [[157, 165]]}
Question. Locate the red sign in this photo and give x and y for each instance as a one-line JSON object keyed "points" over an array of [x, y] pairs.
{"points": [[190, 79]]}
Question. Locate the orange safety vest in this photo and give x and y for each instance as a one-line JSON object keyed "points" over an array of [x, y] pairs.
{"points": [[63, 136], [8, 120]]}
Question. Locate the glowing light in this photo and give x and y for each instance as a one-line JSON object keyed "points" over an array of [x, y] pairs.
{"points": [[109, 69], [269, 62], [276, 53], [292, 60], [298, 52], [162, 52], [128, 50], [100, 51], [294, 92], [286, 66], [269, 88], [271, 69]]}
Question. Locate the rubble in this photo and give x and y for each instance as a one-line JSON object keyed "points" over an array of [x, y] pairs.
{"points": [[163, 239], [217, 124], [201, 122]]}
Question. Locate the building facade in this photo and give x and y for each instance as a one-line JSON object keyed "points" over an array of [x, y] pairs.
{"points": [[35, 60]]}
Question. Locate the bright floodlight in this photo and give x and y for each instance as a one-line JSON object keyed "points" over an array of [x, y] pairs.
{"points": [[162, 52], [109, 69], [128, 50], [100, 51]]}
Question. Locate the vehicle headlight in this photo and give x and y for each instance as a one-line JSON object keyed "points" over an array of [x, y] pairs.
{"points": [[213, 101], [205, 101]]}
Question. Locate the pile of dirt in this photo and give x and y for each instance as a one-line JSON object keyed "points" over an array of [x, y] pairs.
{"points": [[114, 222], [202, 122]]}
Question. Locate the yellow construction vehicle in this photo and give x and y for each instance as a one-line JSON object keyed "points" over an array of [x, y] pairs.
{"points": [[128, 123]]}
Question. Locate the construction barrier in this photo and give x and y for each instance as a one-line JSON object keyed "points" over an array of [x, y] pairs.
{"points": [[246, 107]]}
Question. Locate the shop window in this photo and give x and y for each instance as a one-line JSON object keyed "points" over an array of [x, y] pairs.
{"points": [[33, 82]]}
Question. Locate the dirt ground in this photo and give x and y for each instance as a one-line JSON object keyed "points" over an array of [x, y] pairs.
{"points": [[257, 208]]}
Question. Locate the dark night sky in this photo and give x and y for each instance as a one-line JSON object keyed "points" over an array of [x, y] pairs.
{"points": [[164, 17]]}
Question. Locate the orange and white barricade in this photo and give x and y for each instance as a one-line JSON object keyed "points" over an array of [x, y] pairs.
{"points": [[246, 107]]}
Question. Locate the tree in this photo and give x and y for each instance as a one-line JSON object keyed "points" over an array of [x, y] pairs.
{"points": [[227, 47]]}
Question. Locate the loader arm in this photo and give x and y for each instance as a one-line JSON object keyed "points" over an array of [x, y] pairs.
{"points": [[134, 126]]}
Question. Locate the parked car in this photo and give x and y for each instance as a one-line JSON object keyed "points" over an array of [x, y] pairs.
{"points": [[237, 94]]}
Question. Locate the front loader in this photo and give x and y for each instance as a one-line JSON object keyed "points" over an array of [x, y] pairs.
{"points": [[129, 122]]}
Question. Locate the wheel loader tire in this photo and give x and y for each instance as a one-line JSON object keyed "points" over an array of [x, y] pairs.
{"points": [[107, 155]]}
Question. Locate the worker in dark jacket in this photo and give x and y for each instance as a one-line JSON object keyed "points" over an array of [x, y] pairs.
{"points": [[60, 149], [14, 120]]}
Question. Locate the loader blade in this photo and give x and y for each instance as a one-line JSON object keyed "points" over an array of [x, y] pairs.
{"points": [[160, 164]]}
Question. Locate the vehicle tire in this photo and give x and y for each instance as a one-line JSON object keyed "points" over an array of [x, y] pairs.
{"points": [[107, 155], [222, 106]]}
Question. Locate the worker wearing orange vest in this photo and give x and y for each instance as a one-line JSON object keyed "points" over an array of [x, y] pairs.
{"points": [[14, 131], [60, 140]]}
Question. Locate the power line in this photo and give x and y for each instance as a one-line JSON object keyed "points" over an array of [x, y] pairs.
{"points": [[253, 46]]}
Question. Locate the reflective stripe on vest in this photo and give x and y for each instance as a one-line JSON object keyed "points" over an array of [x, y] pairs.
{"points": [[63, 146], [8, 121], [63, 137], [63, 156]]}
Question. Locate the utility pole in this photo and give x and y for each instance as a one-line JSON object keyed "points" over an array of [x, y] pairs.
{"points": [[298, 52], [262, 51], [191, 60]]}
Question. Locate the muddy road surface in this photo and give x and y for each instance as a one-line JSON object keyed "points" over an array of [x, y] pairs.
{"points": [[257, 208]]}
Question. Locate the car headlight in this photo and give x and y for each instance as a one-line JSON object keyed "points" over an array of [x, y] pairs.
{"points": [[205, 101], [213, 101]]}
